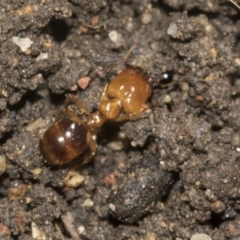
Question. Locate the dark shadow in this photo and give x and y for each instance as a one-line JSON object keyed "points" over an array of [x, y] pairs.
{"points": [[59, 29]]}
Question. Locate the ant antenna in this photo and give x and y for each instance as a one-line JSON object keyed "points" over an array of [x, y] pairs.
{"points": [[234, 3], [127, 55]]}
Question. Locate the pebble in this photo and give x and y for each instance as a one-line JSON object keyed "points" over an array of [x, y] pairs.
{"points": [[3, 164], [83, 82], [23, 43], [172, 30], [167, 99], [81, 229], [115, 36], [146, 18], [88, 203], [200, 236], [73, 179]]}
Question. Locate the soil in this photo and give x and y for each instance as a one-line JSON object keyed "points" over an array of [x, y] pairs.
{"points": [[174, 173]]}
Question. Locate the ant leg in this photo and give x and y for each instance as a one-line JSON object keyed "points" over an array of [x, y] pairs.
{"points": [[79, 103], [122, 118], [104, 95], [72, 116], [126, 57], [90, 152], [59, 116], [234, 3], [91, 139], [131, 117], [70, 113]]}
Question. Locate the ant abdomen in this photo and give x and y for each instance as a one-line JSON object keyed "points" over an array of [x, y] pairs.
{"points": [[64, 141]]}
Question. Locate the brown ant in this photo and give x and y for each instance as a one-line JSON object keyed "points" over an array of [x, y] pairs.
{"points": [[69, 137]]}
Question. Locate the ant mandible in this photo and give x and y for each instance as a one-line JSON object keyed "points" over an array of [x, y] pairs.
{"points": [[71, 137]]}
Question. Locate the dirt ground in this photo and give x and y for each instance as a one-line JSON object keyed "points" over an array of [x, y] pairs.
{"points": [[175, 173]]}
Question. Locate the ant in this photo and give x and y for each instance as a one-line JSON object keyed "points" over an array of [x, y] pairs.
{"points": [[70, 137]]}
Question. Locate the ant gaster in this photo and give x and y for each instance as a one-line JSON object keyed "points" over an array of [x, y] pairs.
{"points": [[71, 137]]}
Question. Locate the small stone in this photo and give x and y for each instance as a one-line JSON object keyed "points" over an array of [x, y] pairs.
{"points": [[112, 207], [3, 104], [83, 82], [81, 229], [154, 45], [133, 144], [146, 18], [184, 87], [4, 231], [39, 123], [115, 145], [167, 99], [37, 233], [73, 179], [28, 200], [200, 236], [42, 56], [3, 164], [74, 88], [237, 61], [150, 236], [115, 36], [110, 180], [88, 203], [185, 197], [17, 192], [36, 172], [218, 206], [172, 30], [23, 43]]}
